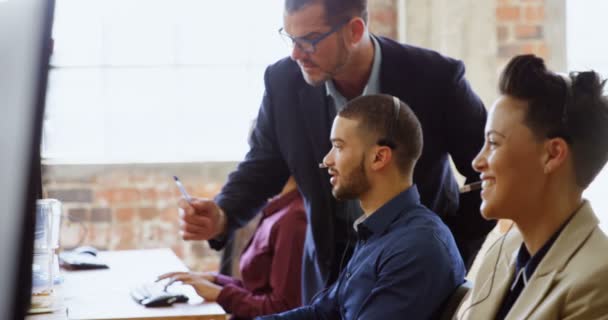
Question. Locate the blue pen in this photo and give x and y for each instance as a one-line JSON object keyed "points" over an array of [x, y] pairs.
{"points": [[181, 188]]}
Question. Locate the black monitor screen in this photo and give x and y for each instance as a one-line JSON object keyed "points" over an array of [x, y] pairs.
{"points": [[25, 29]]}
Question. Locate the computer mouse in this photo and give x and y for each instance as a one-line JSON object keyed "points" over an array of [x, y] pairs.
{"points": [[85, 250], [163, 300]]}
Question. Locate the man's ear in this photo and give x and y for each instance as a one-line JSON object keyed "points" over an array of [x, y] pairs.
{"points": [[356, 30], [382, 157], [555, 155]]}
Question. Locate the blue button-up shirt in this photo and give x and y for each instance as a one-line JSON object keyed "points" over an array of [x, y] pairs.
{"points": [[405, 264]]}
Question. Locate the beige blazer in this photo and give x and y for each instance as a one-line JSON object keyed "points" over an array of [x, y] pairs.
{"points": [[571, 281]]}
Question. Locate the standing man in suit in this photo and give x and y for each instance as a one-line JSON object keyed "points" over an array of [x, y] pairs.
{"points": [[334, 59]]}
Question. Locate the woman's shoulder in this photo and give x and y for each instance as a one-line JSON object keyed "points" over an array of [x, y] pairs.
{"points": [[292, 212], [588, 260]]}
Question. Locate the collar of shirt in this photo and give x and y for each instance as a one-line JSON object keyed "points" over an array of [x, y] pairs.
{"points": [[358, 221], [373, 83], [277, 203], [380, 221], [525, 265]]}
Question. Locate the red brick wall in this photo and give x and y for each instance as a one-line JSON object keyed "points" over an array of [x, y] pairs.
{"points": [[519, 28], [118, 207]]}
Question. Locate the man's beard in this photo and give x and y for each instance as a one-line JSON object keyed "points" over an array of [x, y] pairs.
{"points": [[354, 185], [341, 58]]}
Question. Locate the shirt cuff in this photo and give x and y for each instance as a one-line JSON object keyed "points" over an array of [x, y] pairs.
{"points": [[224, 280]]}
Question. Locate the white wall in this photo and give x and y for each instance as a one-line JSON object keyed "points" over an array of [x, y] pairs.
{"points": [[588, 49]]}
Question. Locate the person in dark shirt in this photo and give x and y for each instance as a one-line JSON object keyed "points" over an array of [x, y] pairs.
{"points": [[270, 264], [405, 262]]}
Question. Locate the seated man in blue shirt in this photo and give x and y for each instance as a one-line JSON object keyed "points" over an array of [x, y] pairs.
{"points": [[405, 262]]}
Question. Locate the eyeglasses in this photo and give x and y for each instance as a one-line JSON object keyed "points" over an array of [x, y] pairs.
{"points": [[308, 46], [389, 141]]}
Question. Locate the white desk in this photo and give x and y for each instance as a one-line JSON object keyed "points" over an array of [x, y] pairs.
{"points": [[104, 294]]}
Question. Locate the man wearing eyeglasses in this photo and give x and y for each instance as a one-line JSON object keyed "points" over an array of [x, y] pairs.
{"points": [[334, 59]]}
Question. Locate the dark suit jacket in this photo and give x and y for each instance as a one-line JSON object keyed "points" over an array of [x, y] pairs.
{"points": [[292, 137]]}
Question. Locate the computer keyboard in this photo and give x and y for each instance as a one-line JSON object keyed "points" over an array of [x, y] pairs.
{"points": [[154, 294]]}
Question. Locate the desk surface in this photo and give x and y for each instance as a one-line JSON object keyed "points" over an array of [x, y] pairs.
{"points": [[104, 294]]}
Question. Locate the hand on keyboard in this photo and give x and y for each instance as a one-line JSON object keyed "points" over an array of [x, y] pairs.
{"points": [[201, 282], [154, 294]]}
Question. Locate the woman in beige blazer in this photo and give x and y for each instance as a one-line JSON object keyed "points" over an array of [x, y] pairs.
{"points": [[546, 140]]}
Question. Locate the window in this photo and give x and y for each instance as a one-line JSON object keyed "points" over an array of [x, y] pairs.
{"points": [[587, 50], [157, 80]]}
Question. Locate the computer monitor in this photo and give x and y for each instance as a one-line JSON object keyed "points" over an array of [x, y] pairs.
{"points": [[25, 31]]}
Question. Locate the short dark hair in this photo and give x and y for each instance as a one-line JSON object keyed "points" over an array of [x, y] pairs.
{"points": [[378, 119], [336, 11], [571, 106]]}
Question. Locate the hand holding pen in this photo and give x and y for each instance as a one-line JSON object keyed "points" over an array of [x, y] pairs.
{"points": [[199, 219], [182, 190]]}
